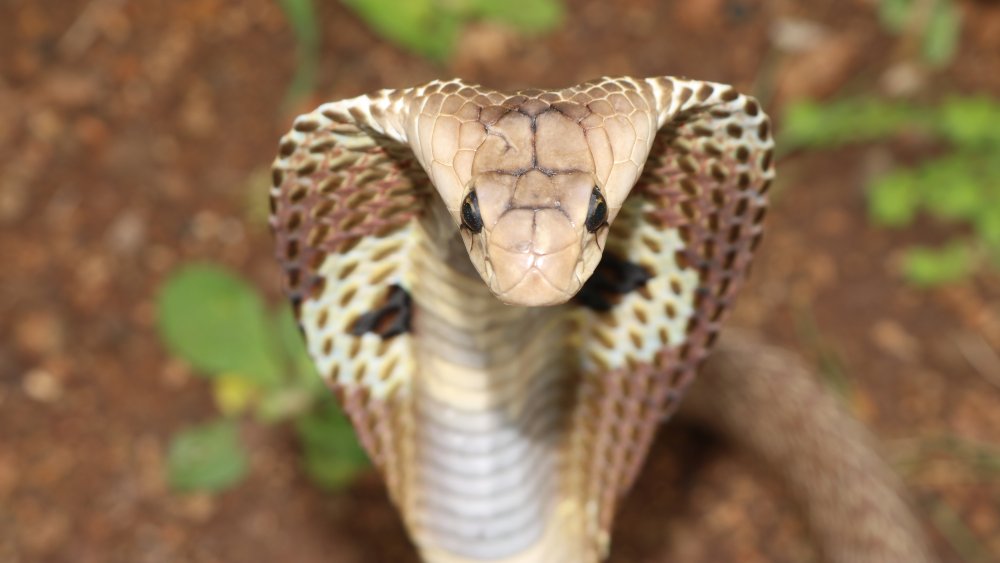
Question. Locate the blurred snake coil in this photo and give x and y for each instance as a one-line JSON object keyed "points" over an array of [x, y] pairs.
{"points": [[508, 294]]}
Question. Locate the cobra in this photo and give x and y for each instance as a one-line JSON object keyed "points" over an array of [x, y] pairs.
{"points": [[509, 292]]}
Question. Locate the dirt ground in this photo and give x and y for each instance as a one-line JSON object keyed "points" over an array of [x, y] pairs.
{"points": [[135, 136]]}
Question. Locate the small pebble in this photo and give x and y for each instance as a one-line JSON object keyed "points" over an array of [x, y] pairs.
{"points": [[42, 386]]}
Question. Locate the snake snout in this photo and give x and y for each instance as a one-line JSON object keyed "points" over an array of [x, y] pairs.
{"points": [[538, 231], [534, 253]]}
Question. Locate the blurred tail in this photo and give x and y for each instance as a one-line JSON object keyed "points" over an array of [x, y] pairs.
{"points": [[765, 399]]}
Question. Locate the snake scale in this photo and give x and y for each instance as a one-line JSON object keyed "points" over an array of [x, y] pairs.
{"points": [[508, 293]]}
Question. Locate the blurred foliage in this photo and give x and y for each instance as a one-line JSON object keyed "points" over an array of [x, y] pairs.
{"points": [[302, 19], [934, 24], [967, 121], [814, 125], [961, 187], [226, 333], [209, 457], [324, 432], [935, 266], [431, 27], [257, 363]]}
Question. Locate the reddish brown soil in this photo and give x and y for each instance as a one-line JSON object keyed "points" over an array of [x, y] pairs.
{"points": [[133, 136]]}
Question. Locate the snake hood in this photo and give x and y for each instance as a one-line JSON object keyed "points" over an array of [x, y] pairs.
{"points": [[508, 434]]}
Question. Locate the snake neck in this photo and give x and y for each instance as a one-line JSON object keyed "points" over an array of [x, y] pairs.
{"points": [[490, 405]]}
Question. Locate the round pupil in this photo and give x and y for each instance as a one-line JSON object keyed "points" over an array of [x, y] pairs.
{"points": [[598, 212], [470, 213]]}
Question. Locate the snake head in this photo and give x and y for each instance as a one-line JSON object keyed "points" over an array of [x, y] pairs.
{"points": [[532, 184], [534, 238]]}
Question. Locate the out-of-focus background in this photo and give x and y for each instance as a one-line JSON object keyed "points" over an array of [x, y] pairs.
{"points": [[154, 401]]}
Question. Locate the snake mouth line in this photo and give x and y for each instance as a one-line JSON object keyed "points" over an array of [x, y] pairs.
{"points": [[559, 295]]}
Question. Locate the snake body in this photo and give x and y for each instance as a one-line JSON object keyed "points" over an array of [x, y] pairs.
{"points": [[509, 292], [764, 399]]}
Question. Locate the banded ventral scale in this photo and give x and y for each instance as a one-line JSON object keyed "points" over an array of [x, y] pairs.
{"points": [[509, 292]]}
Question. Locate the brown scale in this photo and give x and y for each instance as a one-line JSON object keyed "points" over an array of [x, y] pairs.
{"points": [[330, 196]]}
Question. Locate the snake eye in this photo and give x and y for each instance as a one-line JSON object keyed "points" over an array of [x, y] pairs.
{"points": [[597, 214], [470, 213]]}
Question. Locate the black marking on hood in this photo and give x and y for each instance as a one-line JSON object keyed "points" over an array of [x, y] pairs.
{"points": [[612, 278], [390, 319]]}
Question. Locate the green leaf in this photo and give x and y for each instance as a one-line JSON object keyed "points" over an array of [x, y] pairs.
{"points": [[418, 25], [332, 455], [959, 198], [531, 16], [946, 187], [302, 18], [294, 347], [971, 122], [938, 35], [987, 223], [941, 34], [207, 458], [928, 267], [960, 186], [217, 323], [307, 389], [431, 27], [893, 199], [810, 124], [894, 14]]}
